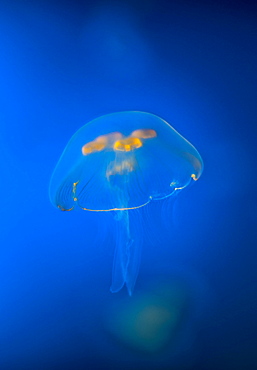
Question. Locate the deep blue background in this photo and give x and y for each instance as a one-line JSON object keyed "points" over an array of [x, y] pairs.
{"points": [[192, 63]]}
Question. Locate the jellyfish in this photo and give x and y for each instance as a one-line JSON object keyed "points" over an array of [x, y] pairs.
{"points": [[120, 163]]}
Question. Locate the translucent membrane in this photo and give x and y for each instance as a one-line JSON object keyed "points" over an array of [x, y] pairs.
{"points": [[121, 162]]}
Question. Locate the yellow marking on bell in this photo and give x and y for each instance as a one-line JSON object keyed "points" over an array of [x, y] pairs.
{"points": [[128, 144], [109, 139], [144, 133], [101, 139], [74, 189], [101, 142], [92, 147], [75, 184], [194, 177]]}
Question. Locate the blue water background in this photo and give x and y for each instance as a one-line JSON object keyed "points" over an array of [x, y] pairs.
{"points": [[63, 64]]}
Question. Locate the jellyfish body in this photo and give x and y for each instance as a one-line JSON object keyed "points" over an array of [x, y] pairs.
{"points": [[119, 163]]}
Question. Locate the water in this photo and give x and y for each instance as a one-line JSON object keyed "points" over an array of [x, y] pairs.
{"points": [[64, 64]]}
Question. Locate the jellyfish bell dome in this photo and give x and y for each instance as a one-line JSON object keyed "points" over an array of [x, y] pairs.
{"points": [[123, 161]]}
